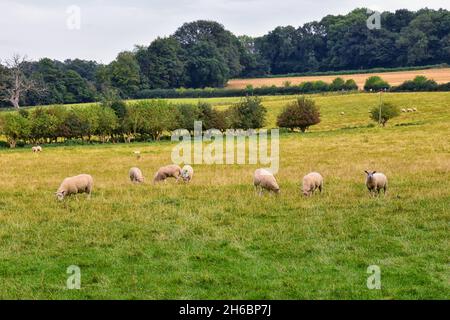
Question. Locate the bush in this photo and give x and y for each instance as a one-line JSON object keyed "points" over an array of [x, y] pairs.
{"points": [[300, 114], [337, 84], [387, 110], [375, 83], [15, 127], [420, 83], [249, 113], [156, 117], [350, 85]]}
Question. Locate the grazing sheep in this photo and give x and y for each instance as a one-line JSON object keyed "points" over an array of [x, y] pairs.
{"points": [[342, 113], [263, 179], [137, 154], [187, 173], [136, 175], [414, 109], [403, 110], [82, 183], [375, 181], [36, 149], [409, 110], [311, 182], [163, 173]]}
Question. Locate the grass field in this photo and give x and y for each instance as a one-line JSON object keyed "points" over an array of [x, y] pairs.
{"points": [[215, 239], [440, 75]]}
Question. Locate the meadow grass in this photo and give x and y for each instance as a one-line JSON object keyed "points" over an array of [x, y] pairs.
{"points": [[215, 239]]}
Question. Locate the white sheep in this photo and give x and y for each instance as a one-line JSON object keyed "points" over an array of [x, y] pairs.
{"points": [[409, 110], [82, 183], [375, 181], [311, 182], [169, 171], [263, 179], [414, 109], [36, 149], [342, 113], [136, 175], [137, 154], [403, 110], [187, 173]]}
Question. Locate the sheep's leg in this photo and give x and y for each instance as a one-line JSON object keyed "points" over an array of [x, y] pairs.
{"points": [[320, 188]]}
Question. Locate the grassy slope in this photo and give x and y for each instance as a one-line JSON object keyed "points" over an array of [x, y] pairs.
{"points": [[216, 239]]}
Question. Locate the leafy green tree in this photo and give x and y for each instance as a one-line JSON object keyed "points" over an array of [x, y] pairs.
{"points": [[43, 124], [187, 115], [249, 113], [337, 84], [300, 114], [161, 63], [420, 83], [227, 45], [108, 122], [382, 114], [15, 127], [375, 83], [125, 74], [158, 117], [206, 67]]}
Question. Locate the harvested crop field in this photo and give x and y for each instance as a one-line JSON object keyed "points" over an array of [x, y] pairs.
{"points": [[440, 75]]}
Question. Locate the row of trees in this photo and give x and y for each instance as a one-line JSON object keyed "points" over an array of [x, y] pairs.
{"points": [[114, 120], [204, 54]]}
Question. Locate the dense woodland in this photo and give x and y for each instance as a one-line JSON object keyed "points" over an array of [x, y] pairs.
{"points": [[204, 54]]}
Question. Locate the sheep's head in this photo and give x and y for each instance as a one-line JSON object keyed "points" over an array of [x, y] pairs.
{"points": [[185, 175], [370, 174], [60, 195]]}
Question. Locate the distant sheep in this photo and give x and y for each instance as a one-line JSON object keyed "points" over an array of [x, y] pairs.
{"points": [[414, 109], [137, 154], [136, 175], [82, 183], [342, 113], [264, 179], [36, 149], [375, 181], [187, 173], [403, 110], [170, 171], [311, 182], [409, 110]]}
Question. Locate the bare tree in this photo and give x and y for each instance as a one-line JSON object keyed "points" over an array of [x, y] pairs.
{"points": [[15, 82]]}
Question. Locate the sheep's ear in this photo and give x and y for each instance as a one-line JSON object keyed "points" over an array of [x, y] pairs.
{"points": [[366, 172], [374, 172]]}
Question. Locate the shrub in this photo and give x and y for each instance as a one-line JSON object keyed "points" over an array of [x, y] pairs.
{"points": [[350, 84], [420, 83], [187, 115], [249, 113], [15, 127], [157, 116], [337, 84], [382, 114], [300, 114], [375, 83]]}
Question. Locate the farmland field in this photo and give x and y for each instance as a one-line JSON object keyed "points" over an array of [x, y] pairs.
{"points": [[215, 239], [440, 75]]}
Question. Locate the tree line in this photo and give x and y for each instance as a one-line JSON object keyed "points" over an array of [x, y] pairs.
{"points": [[204, 54], [113, 120]]}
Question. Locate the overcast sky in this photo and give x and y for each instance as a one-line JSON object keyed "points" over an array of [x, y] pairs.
{"points": [[40, 28]]}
